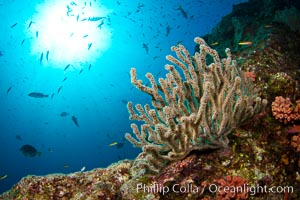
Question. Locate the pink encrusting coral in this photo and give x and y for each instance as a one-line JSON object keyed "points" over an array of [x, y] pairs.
{"points": [[284, 110], [296, 142], [232, 187]]}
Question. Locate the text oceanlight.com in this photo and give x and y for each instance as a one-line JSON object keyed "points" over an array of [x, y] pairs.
{"points": [[212, 188]]}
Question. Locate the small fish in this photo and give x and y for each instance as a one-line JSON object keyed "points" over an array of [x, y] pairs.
{"points": [[82, 169], [113, 144], [22, 42], [124, 101], [37, 95], [47, 56], [168, 30], [90, 67], [59, 89], [89, 46], [178, 43], [184, 14], [77, 18], [85, 36], [246, 43], [3, 177], [8, 90], [64, 79], [73, 3], [50, 150], [30, 23], [80, 71], [214, 43], [69, 10], [18, 137], [71, 34], [74, 119], [94, 19], [36, 34], [41, 58], [64, 114], [99, 26], [66, 166], [52, 95], [145, 46], [67, 67], [13, 25]]}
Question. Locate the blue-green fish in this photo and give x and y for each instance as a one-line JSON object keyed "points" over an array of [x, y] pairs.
{"points": [[47, 55], [41, 58], [29, 151], [37, 95], [13, 25], [89, 46], [74, 119]]}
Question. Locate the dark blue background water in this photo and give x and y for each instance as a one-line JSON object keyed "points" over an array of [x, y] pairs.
{"points": [[96, 97]]}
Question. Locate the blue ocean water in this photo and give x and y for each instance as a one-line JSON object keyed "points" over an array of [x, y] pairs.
{"points": [[79, 53]]}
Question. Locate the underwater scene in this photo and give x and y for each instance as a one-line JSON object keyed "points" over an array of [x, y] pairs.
{"points": [[123, 99]]}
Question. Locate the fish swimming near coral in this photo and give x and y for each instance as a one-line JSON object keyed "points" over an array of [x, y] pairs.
{"points": [[3, 177], [74, 119], [29, 151], [37, 95]]}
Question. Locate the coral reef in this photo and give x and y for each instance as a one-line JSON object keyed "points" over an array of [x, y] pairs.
{"points": [[196, 112], [94, 184], [263, 152], [284, 111], [236, 188]]}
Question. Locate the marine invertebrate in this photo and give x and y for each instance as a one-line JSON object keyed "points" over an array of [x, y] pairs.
{"points": [[194, 109], [296, 142], [284, 110], [232, 187]]}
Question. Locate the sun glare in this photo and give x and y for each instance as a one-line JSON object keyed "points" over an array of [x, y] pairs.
{"points": [[69, 32]]}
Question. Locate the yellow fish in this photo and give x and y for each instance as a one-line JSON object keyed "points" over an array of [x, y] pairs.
{"points": [[246, 43], [214, 44], [113, 144], [66, 166], [3, 177]]}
